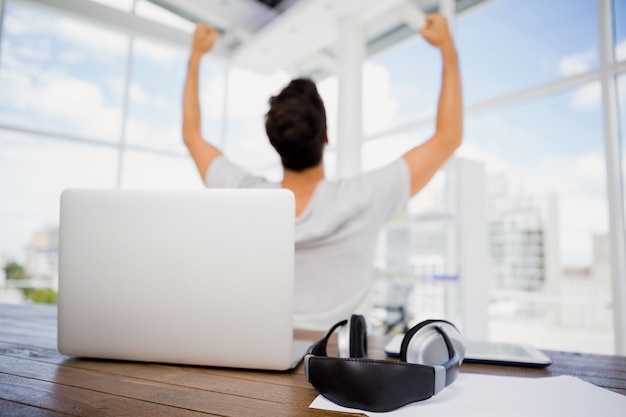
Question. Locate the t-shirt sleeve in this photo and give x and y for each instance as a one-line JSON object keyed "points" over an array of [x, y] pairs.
{"points": [[387, 189], [224, 174]]}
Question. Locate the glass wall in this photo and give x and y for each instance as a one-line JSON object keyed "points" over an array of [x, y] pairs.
{"points": [[84, 106], [543, 150], [59, 74], [510, 45], [245, 142], [400, 85], [548, 218]]}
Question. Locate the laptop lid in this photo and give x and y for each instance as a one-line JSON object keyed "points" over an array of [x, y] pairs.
{"points": [[201, 277]]}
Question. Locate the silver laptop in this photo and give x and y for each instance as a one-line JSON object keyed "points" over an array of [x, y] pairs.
{"points": [[202, 277]]}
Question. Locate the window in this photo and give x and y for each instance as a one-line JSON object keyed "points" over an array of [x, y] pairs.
{"points": [[510, 45], [545, 168], [155, 112], [548, 219], [61, 75], [62, 90], [246, 143], [149, 170], [400, 85], [33, 172]]}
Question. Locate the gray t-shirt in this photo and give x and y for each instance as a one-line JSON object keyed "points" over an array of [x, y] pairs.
{"points": [[335, 235]]}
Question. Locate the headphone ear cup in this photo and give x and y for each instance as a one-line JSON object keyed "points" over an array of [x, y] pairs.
{"points": [[407, 339], [423, 344], [358, 337], [352, 338]]}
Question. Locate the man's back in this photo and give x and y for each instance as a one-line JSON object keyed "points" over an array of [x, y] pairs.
{"points": [[335, 237]]}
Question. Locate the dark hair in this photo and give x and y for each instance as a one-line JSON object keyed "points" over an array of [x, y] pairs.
{"points": [[296, 125]]}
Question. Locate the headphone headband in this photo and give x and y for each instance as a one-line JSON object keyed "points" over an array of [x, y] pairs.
{"points": [[378, 385]]}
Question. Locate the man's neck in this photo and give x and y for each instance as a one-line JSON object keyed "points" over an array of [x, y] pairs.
{"points": [[303, 184], [299, 180]]}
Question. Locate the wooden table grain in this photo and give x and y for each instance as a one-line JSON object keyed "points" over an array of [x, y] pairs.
{"points": [[36, 380]]}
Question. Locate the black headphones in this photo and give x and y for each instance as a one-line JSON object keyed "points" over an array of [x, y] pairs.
{"points": [[430, 357]]}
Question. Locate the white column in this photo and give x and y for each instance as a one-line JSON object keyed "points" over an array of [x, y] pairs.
{"points": [[351, 53], [473, 247], [614, 178]]}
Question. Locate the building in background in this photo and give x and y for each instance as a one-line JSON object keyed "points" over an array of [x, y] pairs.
{"points": [[42, 258], [524, 237]]}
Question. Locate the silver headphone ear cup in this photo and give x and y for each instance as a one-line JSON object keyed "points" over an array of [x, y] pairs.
{"points": [[457, 339], [428, 347], [343, 340]]}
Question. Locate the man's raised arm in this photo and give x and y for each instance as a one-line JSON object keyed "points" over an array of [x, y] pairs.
{"points": [[202, 152], [425, 159]]}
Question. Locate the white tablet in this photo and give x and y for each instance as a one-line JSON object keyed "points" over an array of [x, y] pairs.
{"points": [[511, 354]]}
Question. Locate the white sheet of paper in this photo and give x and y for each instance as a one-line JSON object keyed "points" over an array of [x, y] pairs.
{"points": [[491, 395]]}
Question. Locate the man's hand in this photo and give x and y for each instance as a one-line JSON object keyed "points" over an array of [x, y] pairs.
{"points": [[436, 31], [204, 38]]}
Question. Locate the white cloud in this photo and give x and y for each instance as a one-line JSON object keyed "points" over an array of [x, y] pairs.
{"points": [[97, 41], [620, 50], [72, 103], [581, 177], [158, 51], [137, 94], [494, 163], [212, 96], [249, 92], [87, 41], [155, 135], [577, 63], [380, 108], [586, 97]]}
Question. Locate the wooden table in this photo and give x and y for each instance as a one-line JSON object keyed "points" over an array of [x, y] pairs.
{"points": [[35, 379]]}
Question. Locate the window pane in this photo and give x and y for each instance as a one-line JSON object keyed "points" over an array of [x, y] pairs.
{"points": [[548, 220], [510, 45], [400, 85], [246, 143], [155, 110], [148, 170], [33, 173], [415, 257], [61, 74], [619, 19]]}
